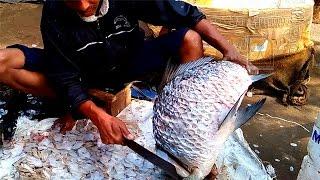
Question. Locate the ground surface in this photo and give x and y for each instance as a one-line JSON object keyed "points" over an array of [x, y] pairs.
{"points": [[270, 137], [273, 136]]}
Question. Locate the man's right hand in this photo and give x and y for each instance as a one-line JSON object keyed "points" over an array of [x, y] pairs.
{"points": [[112, 130]]}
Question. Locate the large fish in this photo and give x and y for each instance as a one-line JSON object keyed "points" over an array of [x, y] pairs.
{"points": [[196, 112]]}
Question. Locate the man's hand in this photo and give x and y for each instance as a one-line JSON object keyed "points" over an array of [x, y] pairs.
{"points": [[211, 35], [112, 130], [234, 56], [65, 123], [252, 69]]}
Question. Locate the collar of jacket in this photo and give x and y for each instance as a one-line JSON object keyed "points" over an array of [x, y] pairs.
{"points": [[103, 8]]}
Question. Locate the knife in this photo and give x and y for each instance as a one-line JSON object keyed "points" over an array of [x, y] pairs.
{"points": [[169, 168], [259, 77]]}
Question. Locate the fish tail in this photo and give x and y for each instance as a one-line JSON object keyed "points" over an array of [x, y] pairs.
{"points": [[245, 114]]}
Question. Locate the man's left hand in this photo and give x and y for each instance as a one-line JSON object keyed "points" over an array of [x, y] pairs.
{"points": [[212, 36], [236, 57], [65, 123]]}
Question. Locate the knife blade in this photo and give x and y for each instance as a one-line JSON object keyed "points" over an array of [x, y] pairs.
{"points": [[169, 168], [259, 77]]}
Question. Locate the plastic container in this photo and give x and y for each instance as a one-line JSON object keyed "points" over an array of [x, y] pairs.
{"points": [[310, 168]]}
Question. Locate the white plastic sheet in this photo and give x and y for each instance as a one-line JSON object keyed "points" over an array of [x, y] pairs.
{"points": [[237, 161]]}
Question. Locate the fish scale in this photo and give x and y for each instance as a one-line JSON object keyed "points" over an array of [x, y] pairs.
{"points": [[189, 134]]}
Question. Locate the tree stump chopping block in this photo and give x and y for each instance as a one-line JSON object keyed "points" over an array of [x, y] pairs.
{"points": [[113, 103]]}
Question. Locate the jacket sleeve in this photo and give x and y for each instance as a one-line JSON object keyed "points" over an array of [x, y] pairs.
{"points": [[61, 71], [170, 13]]}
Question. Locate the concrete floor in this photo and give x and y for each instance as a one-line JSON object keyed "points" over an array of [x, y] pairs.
{"points": [[288, 125], [270, 137]]}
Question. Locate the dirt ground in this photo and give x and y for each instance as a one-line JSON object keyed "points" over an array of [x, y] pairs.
{"points": [[274, 135], [269, 133]]}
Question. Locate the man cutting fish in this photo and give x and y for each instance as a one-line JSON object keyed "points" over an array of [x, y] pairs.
{"points": [[98, 43]]}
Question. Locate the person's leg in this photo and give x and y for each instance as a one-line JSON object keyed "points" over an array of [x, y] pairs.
{"points": [[20, 69], [191, 47], [13, 74], [182, 46]]}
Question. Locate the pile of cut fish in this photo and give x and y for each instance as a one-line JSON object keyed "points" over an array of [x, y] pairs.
{"points": [[40, 152]]}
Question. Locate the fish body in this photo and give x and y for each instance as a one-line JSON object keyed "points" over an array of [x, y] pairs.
{"points": [[190, 111]]}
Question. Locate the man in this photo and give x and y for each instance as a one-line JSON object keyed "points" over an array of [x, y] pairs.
{"points": [[90, 43]]}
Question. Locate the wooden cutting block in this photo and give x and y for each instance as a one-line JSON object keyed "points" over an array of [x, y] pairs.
{"points": [[113, 103]]}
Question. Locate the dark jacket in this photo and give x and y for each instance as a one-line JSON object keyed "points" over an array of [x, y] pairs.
{"points": [[76, 49]]}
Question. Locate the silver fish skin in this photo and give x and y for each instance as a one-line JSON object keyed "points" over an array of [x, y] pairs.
{"points": [[190, 109]]}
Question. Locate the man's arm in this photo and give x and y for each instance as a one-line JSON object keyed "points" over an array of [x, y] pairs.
{"points": [[175, 14], [65, 77], [169, 13], [61, 72], [112, 130], [67, 81], [210, 34]]}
